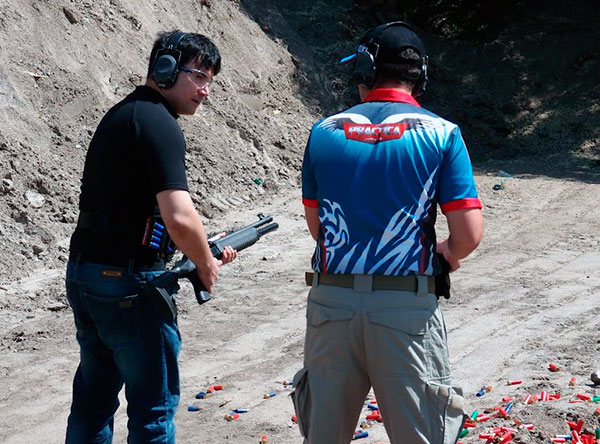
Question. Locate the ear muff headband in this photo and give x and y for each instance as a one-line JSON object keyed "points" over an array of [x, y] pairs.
{"points": [[166, 64], [365, 65]]}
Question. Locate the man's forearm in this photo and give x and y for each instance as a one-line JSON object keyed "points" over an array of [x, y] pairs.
{"points": [[466, 232], [460, 250]]}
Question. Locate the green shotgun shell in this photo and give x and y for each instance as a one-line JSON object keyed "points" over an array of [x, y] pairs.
{"points": [[474, 415], [596, 399], [598, 433], [464, 433]]}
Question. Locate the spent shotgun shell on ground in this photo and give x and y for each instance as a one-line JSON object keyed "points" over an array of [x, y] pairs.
{"points": [[375, 416], [232, 416], [481, 392], [269, 395], [507, 437], [553, 367]]}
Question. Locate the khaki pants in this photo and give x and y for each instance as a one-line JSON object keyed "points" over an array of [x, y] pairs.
{"points": [[393, 341]]}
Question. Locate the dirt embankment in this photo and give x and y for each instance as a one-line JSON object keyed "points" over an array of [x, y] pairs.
{"points": [[528, 103]]}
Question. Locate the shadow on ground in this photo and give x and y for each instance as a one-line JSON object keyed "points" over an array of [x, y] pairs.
{"points": [[524, 91]]}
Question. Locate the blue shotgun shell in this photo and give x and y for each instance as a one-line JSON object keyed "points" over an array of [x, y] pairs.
{"points": [[193, 408], [360, 435]]}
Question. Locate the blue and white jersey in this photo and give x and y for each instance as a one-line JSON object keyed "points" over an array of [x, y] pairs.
{"points": [[376, 172]]}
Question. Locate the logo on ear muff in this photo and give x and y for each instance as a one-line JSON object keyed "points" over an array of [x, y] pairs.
{"points": [[166, 64]]}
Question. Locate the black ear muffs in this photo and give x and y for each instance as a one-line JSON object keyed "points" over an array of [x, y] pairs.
{"points": [[166, 64], [421, 83], [365, 64]]}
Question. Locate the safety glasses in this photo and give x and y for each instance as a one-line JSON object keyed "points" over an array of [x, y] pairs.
{"points": [[200, 78]]}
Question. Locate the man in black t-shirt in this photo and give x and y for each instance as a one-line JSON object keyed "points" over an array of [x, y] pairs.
{"points": [[136, 164]]}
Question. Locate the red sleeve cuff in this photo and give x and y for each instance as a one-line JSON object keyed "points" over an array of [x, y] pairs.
{"points": [[461, 204], [311, 203]]}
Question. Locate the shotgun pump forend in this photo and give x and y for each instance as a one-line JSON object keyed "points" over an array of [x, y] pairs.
{"points": [[163, 288]]}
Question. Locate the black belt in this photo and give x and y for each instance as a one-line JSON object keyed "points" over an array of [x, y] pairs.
{"points": [[119, 261], [380, 282]]}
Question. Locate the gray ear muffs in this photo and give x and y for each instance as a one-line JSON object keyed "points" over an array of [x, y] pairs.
{"points": [[166, 65]]}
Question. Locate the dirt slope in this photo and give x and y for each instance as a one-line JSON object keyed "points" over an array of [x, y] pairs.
{"points": [[57, 82], [527, 297]]}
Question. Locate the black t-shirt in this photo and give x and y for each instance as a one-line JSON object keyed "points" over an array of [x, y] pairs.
{"points": [[137, 151]]}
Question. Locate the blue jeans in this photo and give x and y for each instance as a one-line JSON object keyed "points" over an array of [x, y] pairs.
{"points": [[122, 340]]}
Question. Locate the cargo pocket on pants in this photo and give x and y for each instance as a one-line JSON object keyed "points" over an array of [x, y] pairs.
{"points": [[327, 336], [301, 399], [447, 414]]}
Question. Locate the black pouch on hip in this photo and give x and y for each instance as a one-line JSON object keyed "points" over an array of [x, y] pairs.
{"points": [[442, 280], [163, 300]]}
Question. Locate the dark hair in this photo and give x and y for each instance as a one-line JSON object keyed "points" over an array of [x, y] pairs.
{"points": [[406, 68], [193, 47]]}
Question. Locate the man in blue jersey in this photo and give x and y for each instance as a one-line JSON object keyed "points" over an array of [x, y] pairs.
{"points": [[372, 178]]}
